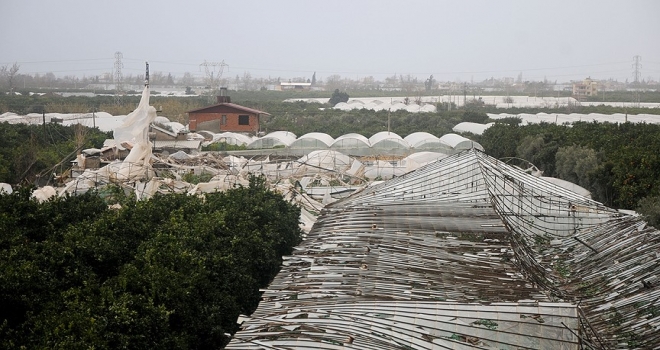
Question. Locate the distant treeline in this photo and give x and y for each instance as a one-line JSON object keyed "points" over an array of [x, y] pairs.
{"points": [[271, 102]]}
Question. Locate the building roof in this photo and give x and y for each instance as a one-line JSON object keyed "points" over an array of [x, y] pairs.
{"points": [[230, 105], [467, 252]]}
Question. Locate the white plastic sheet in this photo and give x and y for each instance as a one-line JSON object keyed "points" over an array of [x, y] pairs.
{"points": [[135, 129]]}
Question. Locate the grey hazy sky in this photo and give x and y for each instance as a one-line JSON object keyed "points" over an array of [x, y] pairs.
{"points": [[465, 40]]}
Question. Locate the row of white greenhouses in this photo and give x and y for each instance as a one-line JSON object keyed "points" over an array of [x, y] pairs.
{"points": [[355, 144]]}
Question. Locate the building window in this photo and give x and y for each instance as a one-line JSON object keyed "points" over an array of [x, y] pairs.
{"points": [[243, 120], [224, 120]]}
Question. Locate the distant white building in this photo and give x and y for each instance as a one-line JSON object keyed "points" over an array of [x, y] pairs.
{"points": [[293, 86], [586, 88]]}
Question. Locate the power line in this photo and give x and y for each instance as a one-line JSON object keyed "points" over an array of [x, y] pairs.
{"points": [[60, 61]]}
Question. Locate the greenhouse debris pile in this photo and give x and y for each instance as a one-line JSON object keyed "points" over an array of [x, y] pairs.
{"points": [[466, 252], [314, 180]]}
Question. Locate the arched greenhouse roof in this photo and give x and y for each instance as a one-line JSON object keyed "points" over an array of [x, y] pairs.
{"points": [[383, 170], [351, 140], [458, 142], [233, 138], [274, 139], [326, 159], [425, 141], [423, 158], [474, 128], [354, 144], [313, 140], [413, 108], [398, 106], [386, 103], [377, 106], [428, 108], [388, 141], [420, 137], [379, 136]]}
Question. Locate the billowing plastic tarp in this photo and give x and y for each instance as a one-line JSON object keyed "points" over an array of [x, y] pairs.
{"points": [[135, 130]]}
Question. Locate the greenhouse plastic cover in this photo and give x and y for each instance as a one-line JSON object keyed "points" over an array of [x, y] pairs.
{"points": [[387, 140], [353, 143], [326, 159], [233, 138], [460, 142], [474, 128], [276, 138], [313, 139], [351, 140], [135, 129]]}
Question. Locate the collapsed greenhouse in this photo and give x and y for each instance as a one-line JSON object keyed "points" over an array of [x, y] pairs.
{"points": [[457, 251], [466, 252]]}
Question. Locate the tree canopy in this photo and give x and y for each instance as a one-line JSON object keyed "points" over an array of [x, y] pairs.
{"points": [[30, 151], [617, 163], [171, 272], [337, 97]]}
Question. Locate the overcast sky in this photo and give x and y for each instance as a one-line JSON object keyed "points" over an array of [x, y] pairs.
{"points": [[453, 40]]}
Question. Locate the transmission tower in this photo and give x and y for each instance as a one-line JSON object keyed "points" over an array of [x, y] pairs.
{"points": [[637, 66], [213, 73], [119, 78]]}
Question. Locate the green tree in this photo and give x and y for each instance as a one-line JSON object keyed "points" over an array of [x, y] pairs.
{"points": [[172, 272], [429, 84], [540, 150], [474, 117], [337, 97], [576, 164], [649, 207]]}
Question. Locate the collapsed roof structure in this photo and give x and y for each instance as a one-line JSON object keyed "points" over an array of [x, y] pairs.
{"points": [[466, 252]]}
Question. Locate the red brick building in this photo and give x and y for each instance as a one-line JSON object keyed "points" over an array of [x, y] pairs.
{"points": [[225, 116]]}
